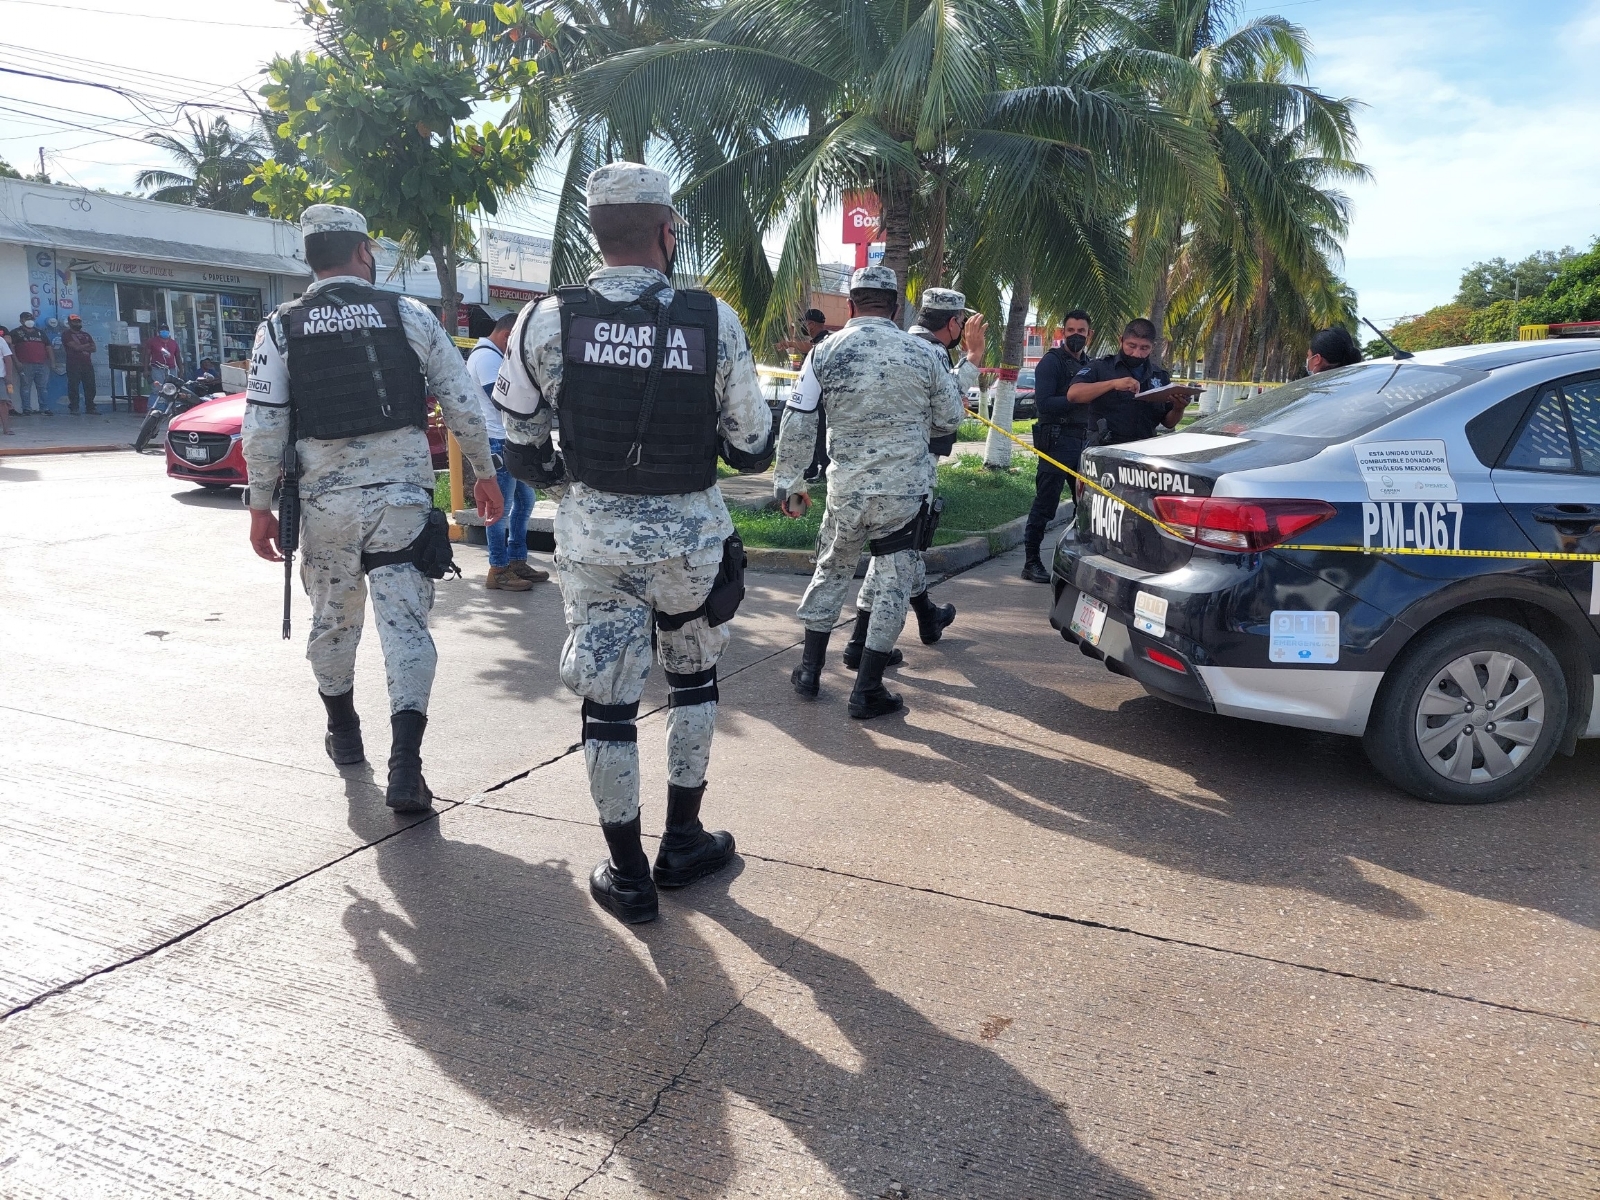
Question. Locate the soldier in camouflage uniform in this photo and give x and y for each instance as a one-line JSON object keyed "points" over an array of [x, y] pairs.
{"points": [[640, 528], [348, 358], [943, 323], [886, 398]]}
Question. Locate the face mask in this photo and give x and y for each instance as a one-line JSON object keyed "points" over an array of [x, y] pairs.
{"points": [[1075, 343], [166, 333], [27, 324], [1131, 362], [672, 257]]}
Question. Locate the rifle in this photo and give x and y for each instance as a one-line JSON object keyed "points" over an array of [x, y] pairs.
{"points": [[289, 517]]}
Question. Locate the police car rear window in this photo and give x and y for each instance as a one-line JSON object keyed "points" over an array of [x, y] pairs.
{"points": [[1338, 405]]}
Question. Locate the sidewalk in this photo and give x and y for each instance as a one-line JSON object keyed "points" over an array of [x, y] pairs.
{"points": [[64, 433]]}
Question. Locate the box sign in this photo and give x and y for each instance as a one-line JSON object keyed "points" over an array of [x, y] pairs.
{"points": [[861, 214]]}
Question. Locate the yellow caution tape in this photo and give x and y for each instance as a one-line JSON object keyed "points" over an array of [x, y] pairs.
{"points": [[1536, 555]]}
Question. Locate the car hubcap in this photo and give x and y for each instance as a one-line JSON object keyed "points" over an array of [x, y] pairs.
{"points": [[1480, 717]]}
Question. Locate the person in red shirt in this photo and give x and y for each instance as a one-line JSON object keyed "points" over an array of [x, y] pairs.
{"points": [[164, 358], [34, 358], [79, 348]]}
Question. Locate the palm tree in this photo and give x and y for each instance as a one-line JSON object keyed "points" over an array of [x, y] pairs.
{"points": [[1274, 139], [213, 163]]}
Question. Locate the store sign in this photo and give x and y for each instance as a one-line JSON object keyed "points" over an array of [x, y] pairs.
{"points": [[499, 291], [861, 214], [121, 269], [221, 277], [518, 261]]}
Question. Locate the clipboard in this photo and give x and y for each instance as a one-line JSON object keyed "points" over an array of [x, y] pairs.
{"points": [[1169, 392]]}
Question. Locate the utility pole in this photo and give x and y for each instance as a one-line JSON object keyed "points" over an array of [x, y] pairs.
{"points": [[41, 164]]}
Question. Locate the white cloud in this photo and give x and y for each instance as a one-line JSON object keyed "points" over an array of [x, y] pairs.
{"points": [[1474, 149]]}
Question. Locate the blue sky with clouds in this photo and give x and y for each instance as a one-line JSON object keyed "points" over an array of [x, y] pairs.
{"points": [[1478, 128], [1478, 119]]}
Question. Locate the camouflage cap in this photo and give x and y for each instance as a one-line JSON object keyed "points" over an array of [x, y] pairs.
{"points": [[331, 218], [943, 300], [630, 183], [881, 278]]}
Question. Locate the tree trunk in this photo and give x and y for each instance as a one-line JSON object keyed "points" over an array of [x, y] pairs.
{"points": [[933, 264], [1160, 298], [444, 265], [896, 207], [997, 452]]}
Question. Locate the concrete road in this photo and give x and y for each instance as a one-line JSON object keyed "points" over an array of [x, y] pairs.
{"points": [[1040, 937]]}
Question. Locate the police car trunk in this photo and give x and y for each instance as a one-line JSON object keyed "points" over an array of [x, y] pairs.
{"points": [[1220, 611]]}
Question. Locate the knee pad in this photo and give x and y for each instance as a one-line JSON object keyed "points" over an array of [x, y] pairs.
{"points": [[610, 722], [692, 687]]}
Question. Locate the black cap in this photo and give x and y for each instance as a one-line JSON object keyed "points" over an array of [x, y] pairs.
{"points": [[815, 314]]}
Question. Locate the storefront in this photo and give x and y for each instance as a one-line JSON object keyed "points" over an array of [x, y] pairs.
{"points": [[129, 267]]}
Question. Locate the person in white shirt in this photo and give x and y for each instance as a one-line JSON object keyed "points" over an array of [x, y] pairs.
{"points": [[5, 384], [508, 537]]}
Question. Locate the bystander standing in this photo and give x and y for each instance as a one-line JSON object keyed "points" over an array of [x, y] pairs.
{"points": [[508, 537], [79, 346], [5, 380], [33, 357]]}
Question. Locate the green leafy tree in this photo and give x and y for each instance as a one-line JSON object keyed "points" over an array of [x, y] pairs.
{"points": [[214, 161], [1495, 323], [1484, 283], [1446, 325], [7, 171], [382, 106], [1573, 295]]}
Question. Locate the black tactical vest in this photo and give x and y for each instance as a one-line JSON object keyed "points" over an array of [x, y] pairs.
{"points": [[610, 440], [351, 370]]}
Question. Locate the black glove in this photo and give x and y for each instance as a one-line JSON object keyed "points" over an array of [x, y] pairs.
{"points": [[538, 466]]}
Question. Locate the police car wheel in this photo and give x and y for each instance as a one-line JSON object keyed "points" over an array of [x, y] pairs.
{"points": [[1470, 713]]}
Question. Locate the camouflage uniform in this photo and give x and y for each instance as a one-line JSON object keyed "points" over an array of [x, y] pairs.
{"points": [[885, 396], [622, 558], [363, 494]]}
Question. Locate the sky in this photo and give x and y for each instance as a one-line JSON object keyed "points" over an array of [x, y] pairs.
{"points": [[1474, 123]]}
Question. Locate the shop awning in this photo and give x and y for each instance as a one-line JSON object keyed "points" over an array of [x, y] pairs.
{"points": [[87, 244]]}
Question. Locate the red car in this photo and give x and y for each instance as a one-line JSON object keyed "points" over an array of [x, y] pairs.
{"points": [[203, 443]]}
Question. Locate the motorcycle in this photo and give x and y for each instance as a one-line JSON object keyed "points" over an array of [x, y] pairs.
{"points": [[173, 399]]}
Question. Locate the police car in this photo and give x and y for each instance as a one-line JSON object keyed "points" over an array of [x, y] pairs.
{"points": [[1463, 675]]}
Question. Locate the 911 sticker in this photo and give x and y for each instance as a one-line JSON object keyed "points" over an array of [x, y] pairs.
{"points": [[1420, 526], [1150, 614], [1303, 637]]}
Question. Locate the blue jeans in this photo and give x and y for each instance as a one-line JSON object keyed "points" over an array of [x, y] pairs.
{"points": [[34, 377], [508, 537]]}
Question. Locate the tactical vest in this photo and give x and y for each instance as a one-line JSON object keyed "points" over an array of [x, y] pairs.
{"points": [[638, 391], [351, 370]]}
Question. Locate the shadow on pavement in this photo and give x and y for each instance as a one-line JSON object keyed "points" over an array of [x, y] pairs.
{"points": [[204, 497], [1297, 809], [527, 997]]}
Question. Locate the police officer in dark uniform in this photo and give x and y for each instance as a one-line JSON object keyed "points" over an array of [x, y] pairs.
{"points": [[1060, 432], [1110, 386]]}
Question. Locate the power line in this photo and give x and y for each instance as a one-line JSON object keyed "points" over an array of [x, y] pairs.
{"points": [[132, 97], [111, 12]]}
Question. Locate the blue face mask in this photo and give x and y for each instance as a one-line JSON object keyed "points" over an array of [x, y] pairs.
{"points": [[166, 333]]}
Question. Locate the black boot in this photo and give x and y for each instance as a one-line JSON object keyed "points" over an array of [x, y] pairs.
{"points": [[932, 619], [858, 643], [870, 698], [1033, 570], [408, 790], [343, 739], [687, 851], [621, 884], [807, 677]]}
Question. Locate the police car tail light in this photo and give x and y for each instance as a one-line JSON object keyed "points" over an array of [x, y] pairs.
{"points": [[1226, 523]]}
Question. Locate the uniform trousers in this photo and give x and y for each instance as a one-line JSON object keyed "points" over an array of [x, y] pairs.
{"points": [[848, 524], [1065, 445], [610, 611], [336, 528]]}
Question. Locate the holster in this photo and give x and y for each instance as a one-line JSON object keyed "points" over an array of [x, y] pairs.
{"points": [[916, 534], [727, 593], [430, 553]]}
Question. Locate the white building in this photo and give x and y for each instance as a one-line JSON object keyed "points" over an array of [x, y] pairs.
{"points": [[128, 266]]}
